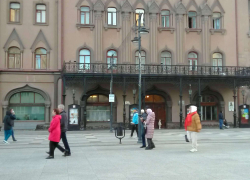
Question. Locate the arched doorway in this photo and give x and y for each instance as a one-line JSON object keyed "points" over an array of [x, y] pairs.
{"points": [[157, 104], [211, 104]]}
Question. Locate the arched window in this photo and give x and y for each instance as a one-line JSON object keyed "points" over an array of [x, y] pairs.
{"points": [[41, 58], [84, 59], [165, 18], [166, 58], [112, 17], [98, 108], [14, 12], [193, 61], [217, 20], [217, 59], [41, 13], [111, 54], [28, 106], [192, 17], [137, 12], [143, 59], [14, 55], [84, 14]]}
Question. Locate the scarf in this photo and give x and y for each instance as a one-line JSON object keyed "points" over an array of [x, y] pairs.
{"points": [[188, 120]]}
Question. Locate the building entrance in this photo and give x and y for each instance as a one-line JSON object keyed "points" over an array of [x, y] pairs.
{"points": [[157, 104]]}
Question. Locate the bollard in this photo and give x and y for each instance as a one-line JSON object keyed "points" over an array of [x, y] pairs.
{"points": [[120, 132]]}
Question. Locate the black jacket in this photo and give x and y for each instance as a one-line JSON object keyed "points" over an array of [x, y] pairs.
{"points": [[12, 117], [64, 121], [8, 123], [221, 116]]}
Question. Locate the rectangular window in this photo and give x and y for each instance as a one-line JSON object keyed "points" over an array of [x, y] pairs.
{"points": [[84, 15], [41, 13], [112, 16], [192, 20], [217, 20], [14, 12], [137, 12], [29, 113], [98, 113], [165, 18], [38, 62]]}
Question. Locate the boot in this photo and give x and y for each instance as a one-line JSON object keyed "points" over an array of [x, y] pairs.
{"points": [[153, 144], [186, 138], [149, 144], [13, 138]]}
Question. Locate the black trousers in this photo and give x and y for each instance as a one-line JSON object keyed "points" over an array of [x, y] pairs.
{"points": [[134, 128], [65, 143], [52, 147]]}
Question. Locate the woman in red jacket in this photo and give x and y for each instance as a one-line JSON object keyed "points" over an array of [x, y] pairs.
{"points": [[54, 133]]}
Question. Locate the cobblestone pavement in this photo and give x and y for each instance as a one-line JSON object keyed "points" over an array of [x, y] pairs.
{"points": [[97, 155]]}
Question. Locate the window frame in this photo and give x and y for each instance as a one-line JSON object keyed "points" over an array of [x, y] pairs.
{"points": [[115, 57], [8, 2], [193, 60], [19, 14], [14, 58], [192, 17], [137, 16], [165, 19], [35, 3], [217, 59], [85, 65], [112, 17], [85, 18], [214, 20], [41, 14], [41, 58], [166, 58]]}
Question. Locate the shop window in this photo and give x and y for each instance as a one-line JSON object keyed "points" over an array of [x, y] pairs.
{"points": [[14, 58], [28, 106]]}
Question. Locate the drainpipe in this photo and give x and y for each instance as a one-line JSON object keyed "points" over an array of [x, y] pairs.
{"points": [[62, 41]]}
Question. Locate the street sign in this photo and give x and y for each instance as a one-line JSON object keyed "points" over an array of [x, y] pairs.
{"points": [[111, 98]]}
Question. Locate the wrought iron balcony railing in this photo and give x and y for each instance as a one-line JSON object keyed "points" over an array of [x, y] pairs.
{"points": [[101, 68]]}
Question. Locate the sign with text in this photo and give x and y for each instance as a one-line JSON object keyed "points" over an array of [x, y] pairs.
{"points": [[111, 98]]}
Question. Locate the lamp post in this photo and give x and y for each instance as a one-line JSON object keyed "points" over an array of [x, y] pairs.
{"points": [[141, 30], [243, 94], [134, 92], [73, 91], [190, 93], [111, 91]]}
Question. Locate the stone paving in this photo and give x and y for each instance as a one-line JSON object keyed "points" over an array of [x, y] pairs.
{"points": [[97, 155]]}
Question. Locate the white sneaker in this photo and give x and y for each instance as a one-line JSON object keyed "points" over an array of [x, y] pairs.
{"points": [[5, 142], [193, 150]]}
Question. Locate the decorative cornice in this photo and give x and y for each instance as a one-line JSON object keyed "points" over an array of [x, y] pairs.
{"points": [[206, 10], [40, 37], [99, 5], [118, 6], [79, 3], [154, 8], [218, 4], [126, 7], [180, 8], [193, 3], [168, 4], [142, 2]]}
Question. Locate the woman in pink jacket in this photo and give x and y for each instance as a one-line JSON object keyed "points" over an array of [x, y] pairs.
{"points": [[54, 133], [150, 122]]}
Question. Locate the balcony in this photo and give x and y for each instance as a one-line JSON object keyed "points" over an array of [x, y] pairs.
{"points": [[155, 70]]}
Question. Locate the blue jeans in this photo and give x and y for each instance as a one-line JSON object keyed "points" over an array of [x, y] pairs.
{"points": [[7, 134], [143, 138], [221, 123]]}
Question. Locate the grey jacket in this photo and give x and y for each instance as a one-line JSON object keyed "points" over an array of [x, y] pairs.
{"points": [[64, 121]]}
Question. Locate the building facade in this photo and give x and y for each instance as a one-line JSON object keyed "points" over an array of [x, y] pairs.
{"points": [[54, 50]]}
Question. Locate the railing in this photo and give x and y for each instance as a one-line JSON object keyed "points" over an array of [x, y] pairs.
{"points": [[99, 68]]}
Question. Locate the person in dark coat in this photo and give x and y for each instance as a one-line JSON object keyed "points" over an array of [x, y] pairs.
{"points": [[221, 120], [143, 128], [7, 127], [13, 117]]}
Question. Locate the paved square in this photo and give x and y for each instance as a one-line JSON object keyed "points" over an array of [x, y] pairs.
{"points": [[97, 155]]}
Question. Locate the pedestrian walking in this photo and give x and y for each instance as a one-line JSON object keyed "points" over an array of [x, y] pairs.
{"points": [[221, 120], [134, 123], [194, 126], [7, 127], [188, 120], [13, 117], [143, 128], [54, 133], [150, 121], [64, 128]]}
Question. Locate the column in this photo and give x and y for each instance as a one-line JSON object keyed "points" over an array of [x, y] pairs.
{"points": [[98, 36], [199, 95], [153, 38], [234, 96], [180, 30], [205, 40], [84, 104], [126, 37]]}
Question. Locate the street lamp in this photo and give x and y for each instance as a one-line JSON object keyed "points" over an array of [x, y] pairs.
{"points": [[141, 30], [134, 92], [243, 94], [111, 92], [190, 93], [73, 91]]}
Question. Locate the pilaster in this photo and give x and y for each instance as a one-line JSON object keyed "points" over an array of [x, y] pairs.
{"points": [[180, 29], [98, 35], [205, 40], [153, 38], [126, 37]]}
